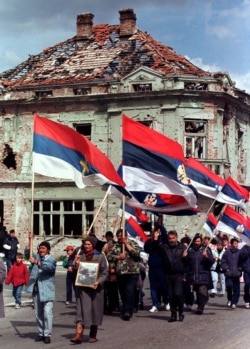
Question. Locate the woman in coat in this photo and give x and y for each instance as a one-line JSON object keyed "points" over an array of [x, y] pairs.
{"points": [[90, 300], [2, 278]]}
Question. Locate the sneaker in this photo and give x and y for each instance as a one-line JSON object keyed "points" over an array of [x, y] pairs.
{"points": [[247, 305], [67, 302], [189, 307], [233, 306], [17, 306], [153, 309], [229, 303], [167, 307]]}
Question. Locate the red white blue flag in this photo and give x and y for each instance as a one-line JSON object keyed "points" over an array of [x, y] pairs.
{"points": [[135, 230], [206, 182], [210, 224], [154, 170], [234, 223], [232, 193], [61, 152]]}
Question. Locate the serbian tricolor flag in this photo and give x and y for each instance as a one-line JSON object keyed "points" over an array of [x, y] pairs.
{"points": [[233, 223], [206, 182], [232, 193], [61, 152], [154, 169], [134, 229], [210, 224], [136, 213]]}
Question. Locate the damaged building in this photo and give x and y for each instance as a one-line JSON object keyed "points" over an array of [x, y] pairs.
{"points": [[87, 82]]}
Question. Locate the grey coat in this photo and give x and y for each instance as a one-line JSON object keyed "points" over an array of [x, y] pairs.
{"points": [[2, 278], [90, 302]]}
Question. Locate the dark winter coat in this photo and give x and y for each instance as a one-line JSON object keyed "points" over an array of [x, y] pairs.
{"points": [[244, 259], [13, 243], [172, 258], [230, 263], [199, 266]]}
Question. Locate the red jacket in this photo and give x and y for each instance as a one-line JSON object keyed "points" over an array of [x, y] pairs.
{"points": [[18, 275]]}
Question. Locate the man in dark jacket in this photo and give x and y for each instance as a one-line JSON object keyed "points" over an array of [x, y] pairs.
{"points": [[245, 263], [157, 281], [11, 246], [200, 260], [173, 267], [231, 267]]}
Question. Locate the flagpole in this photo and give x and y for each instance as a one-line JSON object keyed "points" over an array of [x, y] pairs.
{"points": [[123, 221], [31, 236], [99, 209], [201, 225]]}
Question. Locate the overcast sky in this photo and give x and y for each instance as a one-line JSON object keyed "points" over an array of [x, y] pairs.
{"points": [[213, 34]]}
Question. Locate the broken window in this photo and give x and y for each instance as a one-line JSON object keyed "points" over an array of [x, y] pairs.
{"points": [[142, 87], [195, 139], [43, 94], [81, 91], [84, 129], [66, 217], [9, 158]]}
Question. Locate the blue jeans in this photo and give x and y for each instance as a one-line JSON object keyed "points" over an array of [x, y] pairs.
{"points": [[158, 286], [44, 316], [233, 289], [127, 284], [17, 292]]}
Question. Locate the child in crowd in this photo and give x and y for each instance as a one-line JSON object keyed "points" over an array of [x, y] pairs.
{"points": [[18, 276]]}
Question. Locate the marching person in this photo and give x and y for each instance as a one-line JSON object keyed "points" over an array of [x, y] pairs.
{"points": [[18, 276], [70, 277], [11, 246], [42, 287], [200, 260], [231, 267], [90, 300], [174, 269], [126, 255]]}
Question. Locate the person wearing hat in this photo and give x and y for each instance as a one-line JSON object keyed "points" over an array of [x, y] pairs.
{"points": [[42, 287], [70, 277], [90, 299]]}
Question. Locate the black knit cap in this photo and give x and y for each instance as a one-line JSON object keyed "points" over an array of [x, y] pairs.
{"points": [[92, 239], [45, 244]]}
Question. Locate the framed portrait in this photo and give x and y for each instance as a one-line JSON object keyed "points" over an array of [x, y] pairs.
{"points": [[87, 274]]}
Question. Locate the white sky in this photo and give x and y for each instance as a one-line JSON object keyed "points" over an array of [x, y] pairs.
{"points": [[213, 34]]}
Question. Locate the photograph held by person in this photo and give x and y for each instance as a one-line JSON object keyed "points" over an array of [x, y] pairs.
{"points": [[11, 246], [126, 255], [90, 300], [18, 276], [200, 260], [174, 269], [42, 287], [2, 278]]}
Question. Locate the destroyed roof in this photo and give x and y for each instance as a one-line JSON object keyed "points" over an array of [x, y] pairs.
{"points": [[104, 56]]}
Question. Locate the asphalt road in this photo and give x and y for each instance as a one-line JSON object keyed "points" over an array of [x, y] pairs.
{"points": [[218, 328]]}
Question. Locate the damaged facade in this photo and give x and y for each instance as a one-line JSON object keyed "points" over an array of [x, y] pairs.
{"points": [[87, 82]]}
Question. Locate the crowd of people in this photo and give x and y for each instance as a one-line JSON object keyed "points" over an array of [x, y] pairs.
{"points": [[182, 273]]}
